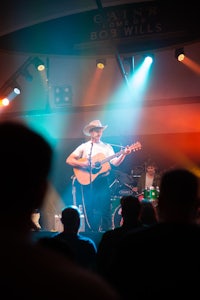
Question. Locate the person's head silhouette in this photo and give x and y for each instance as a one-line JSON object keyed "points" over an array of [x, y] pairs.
{"points": [[178, 198], [25, 165], [70, 219], [130, 209]]}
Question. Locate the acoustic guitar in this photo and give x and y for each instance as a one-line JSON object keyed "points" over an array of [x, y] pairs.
{"points": [[99, 165]]}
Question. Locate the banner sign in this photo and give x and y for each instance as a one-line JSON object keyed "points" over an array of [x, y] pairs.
{"points": [[127, 28]]}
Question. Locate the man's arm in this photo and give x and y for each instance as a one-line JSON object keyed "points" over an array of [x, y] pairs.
{"points": [[73, 160], [118, 160]]}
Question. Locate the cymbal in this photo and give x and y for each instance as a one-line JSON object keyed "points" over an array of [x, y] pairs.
{"points": [[123, 177]]}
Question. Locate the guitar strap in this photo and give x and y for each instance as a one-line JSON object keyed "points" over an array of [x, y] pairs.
{"points": [[84, 208], [74, 190]]}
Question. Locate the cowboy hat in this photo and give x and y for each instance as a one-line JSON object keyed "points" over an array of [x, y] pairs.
{"points": [[92, 125]]}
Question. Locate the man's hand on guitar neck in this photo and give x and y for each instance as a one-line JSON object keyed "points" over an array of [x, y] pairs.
{"points": [[127, 150]]}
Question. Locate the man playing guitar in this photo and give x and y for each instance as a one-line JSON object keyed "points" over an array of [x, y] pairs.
{"points": [[91, 162]]}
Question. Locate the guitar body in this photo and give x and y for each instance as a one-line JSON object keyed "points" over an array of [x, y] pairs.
{"points": [[83, 175]]}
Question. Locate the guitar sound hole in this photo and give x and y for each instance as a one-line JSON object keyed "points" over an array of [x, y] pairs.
{"points": [[97, 165]]}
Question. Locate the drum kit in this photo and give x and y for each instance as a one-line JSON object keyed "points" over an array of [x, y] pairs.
{"points": [[123, 185]]}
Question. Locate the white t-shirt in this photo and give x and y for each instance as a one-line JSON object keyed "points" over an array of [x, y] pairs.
{"points": [[148, 181], [85, 150]]}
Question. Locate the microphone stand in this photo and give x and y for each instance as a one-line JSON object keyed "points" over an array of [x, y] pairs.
{"points": [[90, 162], [90, 170]]}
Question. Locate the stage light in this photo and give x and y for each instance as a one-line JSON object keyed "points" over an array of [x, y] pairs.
{"points": [[39, 65], [16, 90], [10, 94], [179, 54], [149, 58], [100, 63], [5, 102]]}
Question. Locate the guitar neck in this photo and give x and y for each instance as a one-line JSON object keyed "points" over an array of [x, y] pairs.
{"points": [[107, 159], [133, 147]]}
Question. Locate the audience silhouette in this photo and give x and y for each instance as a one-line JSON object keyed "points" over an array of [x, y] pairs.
{"points": [[148, 215], [162, 261], [29, 271], [82, 248], [130, 212]]}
